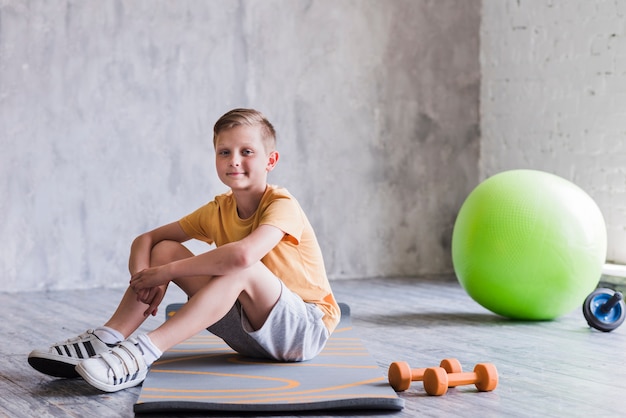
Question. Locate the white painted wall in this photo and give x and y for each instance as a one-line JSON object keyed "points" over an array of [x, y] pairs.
{"points": [[107, 107], [553, 97]]}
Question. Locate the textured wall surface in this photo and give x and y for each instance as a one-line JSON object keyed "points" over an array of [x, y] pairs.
{"points": [[107, 107], [553, 97]]}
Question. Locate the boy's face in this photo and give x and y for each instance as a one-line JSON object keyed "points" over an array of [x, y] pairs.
{"points": [[241, 160]]}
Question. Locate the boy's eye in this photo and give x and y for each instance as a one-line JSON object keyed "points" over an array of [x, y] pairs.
{"points": [[247, 152], [223, 152]]}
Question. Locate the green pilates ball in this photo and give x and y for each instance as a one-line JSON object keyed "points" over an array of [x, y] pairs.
{"points": [[529, 245]]}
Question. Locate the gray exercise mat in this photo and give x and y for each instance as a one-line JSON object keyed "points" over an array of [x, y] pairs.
{"points": [[204, 374]]}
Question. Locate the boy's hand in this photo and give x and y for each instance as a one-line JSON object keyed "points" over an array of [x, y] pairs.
{"points": [[148, 278], [149, 285], [151, 297]]}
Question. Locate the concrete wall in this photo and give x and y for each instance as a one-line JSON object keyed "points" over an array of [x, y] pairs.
{"points": [[553, 97], [106, 111]]}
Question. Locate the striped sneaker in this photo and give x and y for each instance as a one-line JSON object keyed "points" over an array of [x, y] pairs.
{"points": [[61, 359], [120, 368]]}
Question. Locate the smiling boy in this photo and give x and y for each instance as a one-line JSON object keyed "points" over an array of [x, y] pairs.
{"points": [[263, 289]]}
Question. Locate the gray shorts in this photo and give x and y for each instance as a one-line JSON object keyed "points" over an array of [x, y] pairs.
{"points": [[294, 330]]}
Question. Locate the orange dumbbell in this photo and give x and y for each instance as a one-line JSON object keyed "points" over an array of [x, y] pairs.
{"points": [[437, 380], [401, 375]]}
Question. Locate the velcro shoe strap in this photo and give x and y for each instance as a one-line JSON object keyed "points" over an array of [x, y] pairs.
{"points": [[124, 361]]}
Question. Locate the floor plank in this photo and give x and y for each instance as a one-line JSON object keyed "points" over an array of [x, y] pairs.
{"points": [[550, 369]]}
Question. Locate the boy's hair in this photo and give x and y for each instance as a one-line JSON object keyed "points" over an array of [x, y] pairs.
{"points": [[246, 117]]}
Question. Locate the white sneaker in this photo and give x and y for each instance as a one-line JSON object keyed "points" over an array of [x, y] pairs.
{"points": [[61, 358], [120, 368]]}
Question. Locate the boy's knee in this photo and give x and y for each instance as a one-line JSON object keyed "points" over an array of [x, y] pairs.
{"points": [[167, 251]]}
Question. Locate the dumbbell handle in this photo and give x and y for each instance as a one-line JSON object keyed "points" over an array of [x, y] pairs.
{"points": [[417, 374], [463, 378]]}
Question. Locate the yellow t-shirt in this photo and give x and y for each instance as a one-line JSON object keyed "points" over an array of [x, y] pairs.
{"points": [[296, 260]]}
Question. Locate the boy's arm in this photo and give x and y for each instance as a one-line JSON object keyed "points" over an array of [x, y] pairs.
{"points": [[139, 259], [142, 245], [222, 260]]}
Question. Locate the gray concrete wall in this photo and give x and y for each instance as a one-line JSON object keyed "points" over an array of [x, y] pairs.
{"points": [[553, 97], [106, 111]]}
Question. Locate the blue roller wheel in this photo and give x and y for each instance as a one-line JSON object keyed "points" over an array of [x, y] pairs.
{"points": [[604, 309]]}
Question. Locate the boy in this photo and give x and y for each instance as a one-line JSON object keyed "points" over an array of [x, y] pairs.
{"points": [[263, 289]]}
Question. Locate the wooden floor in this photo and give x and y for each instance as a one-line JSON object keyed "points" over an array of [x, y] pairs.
{"points": [[547, 369]]}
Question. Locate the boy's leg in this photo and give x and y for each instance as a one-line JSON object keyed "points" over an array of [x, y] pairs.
{"points": [[256, 288], [210, 299], [60, 359], [129, 314]]}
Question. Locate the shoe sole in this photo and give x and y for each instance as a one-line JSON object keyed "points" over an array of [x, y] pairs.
{"points": [[54, 368], [104, 386]]}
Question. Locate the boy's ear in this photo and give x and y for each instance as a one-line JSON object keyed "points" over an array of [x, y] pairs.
{"points": [[272, 160]]}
